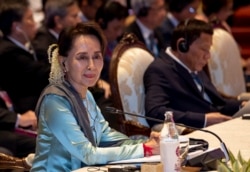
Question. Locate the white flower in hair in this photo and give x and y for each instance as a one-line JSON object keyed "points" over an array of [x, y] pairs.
{"points": [[56, 71]]}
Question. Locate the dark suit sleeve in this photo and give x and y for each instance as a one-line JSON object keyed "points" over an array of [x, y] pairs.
{"points": [[231, 106], [226, 106], [7, 118]]}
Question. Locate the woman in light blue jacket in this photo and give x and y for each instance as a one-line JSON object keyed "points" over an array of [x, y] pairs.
{"points": [[72, 132]]}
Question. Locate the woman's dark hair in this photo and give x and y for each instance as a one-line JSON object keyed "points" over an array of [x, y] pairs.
{"points": [[213, 6], [68, 35], [11, 11], [190, 30]]}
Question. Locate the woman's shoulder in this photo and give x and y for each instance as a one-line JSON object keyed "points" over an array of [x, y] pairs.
{"points": [[52, 95]]}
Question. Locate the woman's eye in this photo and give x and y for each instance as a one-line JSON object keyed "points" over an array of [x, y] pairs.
{"points": [[84, 57], [97, 57]]}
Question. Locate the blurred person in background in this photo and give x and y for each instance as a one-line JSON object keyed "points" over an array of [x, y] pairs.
{"points": [[89, 8], [217, 12], [149, 15], [19, 144], [111, 18], [178, 10], [21, 74], [58, 15]]}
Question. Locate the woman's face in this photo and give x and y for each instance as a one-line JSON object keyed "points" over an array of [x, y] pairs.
{"points": [[84, 62]]}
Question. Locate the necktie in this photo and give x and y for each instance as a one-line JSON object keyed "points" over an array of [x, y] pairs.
{"points": [[200, 86], [153, 44], [198, 82]]}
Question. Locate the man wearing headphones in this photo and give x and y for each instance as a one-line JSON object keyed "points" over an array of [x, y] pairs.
{"points": [[178, 10], [176, 81], [149, 15]]}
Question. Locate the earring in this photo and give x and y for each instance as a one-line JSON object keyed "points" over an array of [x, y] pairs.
{"points": [[64, 68]]}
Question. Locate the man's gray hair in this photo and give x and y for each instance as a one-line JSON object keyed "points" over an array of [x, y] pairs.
{"points": [[56, 8]]}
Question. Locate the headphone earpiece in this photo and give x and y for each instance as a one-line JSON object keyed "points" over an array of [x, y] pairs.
{"points": [[183, 45]]}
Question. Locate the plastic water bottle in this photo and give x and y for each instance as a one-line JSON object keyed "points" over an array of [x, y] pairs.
{"points": [[169, 145]]}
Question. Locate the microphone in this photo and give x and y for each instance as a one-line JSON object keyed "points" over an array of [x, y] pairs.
{"points": [[222, 144]]}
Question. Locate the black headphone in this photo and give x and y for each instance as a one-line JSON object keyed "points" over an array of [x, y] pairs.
{"points": [[183, 45]]}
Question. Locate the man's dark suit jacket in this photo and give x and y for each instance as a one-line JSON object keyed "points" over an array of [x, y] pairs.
{"points": [[170, 87], [134, 28], [7, 118], [166, 29], [41, 43], [21, 76], [19, 145]]}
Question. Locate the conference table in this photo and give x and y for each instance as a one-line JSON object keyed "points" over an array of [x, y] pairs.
{"points": [[234, 133]]}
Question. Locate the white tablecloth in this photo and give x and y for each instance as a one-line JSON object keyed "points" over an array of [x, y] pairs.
{"points": [[234, 133]]}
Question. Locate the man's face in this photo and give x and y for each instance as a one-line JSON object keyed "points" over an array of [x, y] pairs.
{"points": [[199, 53], [72, 17], [157, 13], [114, 30], [89, 10], [28, 25]]}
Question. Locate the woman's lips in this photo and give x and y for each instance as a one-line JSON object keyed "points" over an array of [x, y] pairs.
{"points": [[89, 75]]}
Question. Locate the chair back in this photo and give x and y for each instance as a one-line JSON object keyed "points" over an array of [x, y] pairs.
{"points": [[129, 61], [224, 66]]}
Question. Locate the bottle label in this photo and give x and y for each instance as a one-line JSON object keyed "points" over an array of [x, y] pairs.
{"points": [[170, 153]]}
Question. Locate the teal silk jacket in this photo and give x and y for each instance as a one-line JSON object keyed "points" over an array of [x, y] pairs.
{"points": [[62, 146]]}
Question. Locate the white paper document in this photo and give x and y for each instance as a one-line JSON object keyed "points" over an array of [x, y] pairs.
{"points": [[154, 158]]}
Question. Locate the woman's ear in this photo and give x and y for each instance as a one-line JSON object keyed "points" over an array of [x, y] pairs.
{"points": [[62, 63]]}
